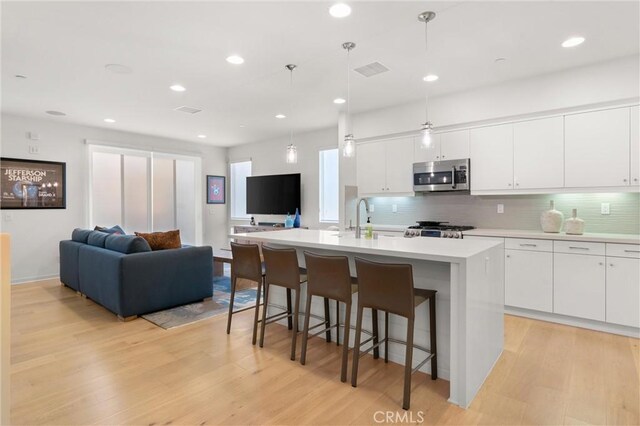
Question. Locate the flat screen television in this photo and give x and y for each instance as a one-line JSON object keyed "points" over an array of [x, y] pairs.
{"points": [[273, 194]]}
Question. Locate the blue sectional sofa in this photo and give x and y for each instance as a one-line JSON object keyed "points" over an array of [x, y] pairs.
{"points": [[121, 273]]}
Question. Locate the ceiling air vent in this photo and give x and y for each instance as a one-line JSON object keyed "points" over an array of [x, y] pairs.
{"points": [[374, 68], [188, 109]]}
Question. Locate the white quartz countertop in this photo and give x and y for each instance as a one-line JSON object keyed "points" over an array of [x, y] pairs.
{"points": [[436, 249], [540, 235]]}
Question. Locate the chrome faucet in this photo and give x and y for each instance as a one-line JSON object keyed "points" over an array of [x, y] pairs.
{"points": [[366, 206]]}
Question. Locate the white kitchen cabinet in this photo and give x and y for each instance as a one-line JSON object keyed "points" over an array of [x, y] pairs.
{"points": [[444, 146], [427, 153], [528, 279], [538, 153], [491, 157], [399, 159], [623, 291], [454, 145], [371, 167], [385, 167], [635, 146], [597, 148], [579, 285]]}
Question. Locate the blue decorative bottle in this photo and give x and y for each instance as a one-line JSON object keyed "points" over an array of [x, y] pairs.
{"points": [[296, 220]]}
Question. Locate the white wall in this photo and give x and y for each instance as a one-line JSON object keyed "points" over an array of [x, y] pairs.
{"points": [[36, 233], [268, 157], [597, 84]]}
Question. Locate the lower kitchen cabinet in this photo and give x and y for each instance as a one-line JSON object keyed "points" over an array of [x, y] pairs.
{"points": [[623, 291], [579, 285], [528, 278]]}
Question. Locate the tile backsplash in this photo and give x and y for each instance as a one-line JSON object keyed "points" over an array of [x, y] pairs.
{"points": [[520, 211]]}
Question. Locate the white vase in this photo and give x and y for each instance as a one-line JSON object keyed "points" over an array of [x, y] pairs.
{"points": [[575, 225], [552, 219]]}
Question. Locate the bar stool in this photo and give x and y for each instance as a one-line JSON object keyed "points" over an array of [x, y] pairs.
{"points": [[282, 269], [389, 288], [329, 277]]}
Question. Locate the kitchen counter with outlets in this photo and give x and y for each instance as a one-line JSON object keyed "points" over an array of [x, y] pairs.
{"points": [[468, 276], [540, 235]]}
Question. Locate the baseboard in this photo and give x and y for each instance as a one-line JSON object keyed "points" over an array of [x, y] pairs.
{"points": [[33, 279], [574, 322]]}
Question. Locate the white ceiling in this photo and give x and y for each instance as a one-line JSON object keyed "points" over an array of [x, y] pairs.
{"points": [[62, 47]]}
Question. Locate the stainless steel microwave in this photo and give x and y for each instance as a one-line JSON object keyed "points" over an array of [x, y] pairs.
{"points": [[449, 175]]}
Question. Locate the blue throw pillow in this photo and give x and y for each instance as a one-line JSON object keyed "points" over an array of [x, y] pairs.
{"points": [[97, 238], [81, 235], [113, 230], [127, 244]]}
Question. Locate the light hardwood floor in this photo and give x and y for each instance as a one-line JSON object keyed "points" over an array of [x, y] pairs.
{"points": [[74, 363]]}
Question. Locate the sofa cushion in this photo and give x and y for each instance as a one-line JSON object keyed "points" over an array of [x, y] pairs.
{"points": [[126, 244], [97, 238], [81, 235], [116, 229], [162, 240]]}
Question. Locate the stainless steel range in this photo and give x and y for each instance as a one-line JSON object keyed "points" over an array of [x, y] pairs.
{"points": [[435, 229]]}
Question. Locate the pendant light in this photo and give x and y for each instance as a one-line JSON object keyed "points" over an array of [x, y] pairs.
{"points": [[427, 127], [349, 148], [292, 151]]}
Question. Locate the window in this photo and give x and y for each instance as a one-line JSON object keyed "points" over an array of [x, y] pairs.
{"points": [[239, 173], [329, 188], [145, 191]]}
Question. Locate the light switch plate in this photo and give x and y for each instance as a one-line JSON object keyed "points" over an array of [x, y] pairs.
{"points": [[8, 217], [34, 149], [394, 208], [605, 208], [500, 208]]}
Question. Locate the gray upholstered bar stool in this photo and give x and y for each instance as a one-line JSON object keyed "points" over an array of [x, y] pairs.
{"points": [[282, 269], [389, 287], [329, 277]]}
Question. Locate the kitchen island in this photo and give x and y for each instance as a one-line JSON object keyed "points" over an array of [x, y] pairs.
{"points": [[468, 276]]}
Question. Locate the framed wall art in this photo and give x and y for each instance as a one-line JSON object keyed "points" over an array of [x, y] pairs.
{"points": [[32, 184], [216, 190]]}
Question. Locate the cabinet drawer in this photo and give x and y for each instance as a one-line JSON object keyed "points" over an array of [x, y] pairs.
{"points": [[579, 247], [624, 250], [528, 244]]}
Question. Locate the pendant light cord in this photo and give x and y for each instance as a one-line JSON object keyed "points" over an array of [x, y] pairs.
{"points": [[291, 104], [426, 57], [348, 124]]}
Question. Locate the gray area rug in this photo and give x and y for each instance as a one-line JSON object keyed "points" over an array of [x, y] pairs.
{"points": [[194, 312]]}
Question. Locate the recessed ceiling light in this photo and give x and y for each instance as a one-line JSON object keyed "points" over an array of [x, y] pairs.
{"points": [[243, 125], [430, 77], [20, 76], [339, 101], [340, 10], [118, 68], [109, 120], [573, 42], [500, 60], [202, 136], [235, 60], [177, 88], [57, 113], [281, 116]]}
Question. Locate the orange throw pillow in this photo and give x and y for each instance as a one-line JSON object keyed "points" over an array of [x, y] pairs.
{"points": [[162, 240]]}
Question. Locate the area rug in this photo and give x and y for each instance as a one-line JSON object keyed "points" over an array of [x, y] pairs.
{"points": [[188, 314]]}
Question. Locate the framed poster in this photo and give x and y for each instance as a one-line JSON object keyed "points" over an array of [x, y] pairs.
{"points": [[215, 190], [32, 184]]}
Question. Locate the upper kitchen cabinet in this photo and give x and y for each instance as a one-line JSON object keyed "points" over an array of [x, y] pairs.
{"points": [[635, 145], [538, 154], [385, 167], [444, 146], [454, 145], [597, 148], [491, 157]]}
